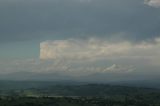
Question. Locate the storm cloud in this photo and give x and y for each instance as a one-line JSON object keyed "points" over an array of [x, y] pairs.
{"points": [[62, 19]]}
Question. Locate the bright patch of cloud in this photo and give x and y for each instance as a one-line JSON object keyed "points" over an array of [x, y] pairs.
{"points": [[119, 68], [81, 49], [95, 49], [154, 3]]}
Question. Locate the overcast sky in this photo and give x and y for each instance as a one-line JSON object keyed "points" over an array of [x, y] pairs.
{"points": [[80, 37]]}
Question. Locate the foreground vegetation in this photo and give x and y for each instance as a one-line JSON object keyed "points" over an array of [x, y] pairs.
{"points": [[78, 101], [79, 95]]}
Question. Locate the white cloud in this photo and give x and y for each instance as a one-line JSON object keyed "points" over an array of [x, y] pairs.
{"points": [[119, 68], [84, 57], [96, 48], [69, 68], [77, 57], [80, 49], [154, 3]]}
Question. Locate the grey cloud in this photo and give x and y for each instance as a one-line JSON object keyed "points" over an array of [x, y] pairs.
{"points": [[25, 20], [153, 3]]}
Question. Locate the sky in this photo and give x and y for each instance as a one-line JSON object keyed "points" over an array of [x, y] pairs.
{"points": [[97, 40]]}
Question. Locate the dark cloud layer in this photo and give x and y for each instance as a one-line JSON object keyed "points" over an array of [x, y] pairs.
{"points": [[34, 19]]}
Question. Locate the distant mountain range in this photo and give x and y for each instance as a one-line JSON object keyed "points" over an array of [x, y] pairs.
{"points": [[38, 78]]}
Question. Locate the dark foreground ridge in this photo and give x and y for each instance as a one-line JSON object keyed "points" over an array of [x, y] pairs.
{"points": [[80, 101]]}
